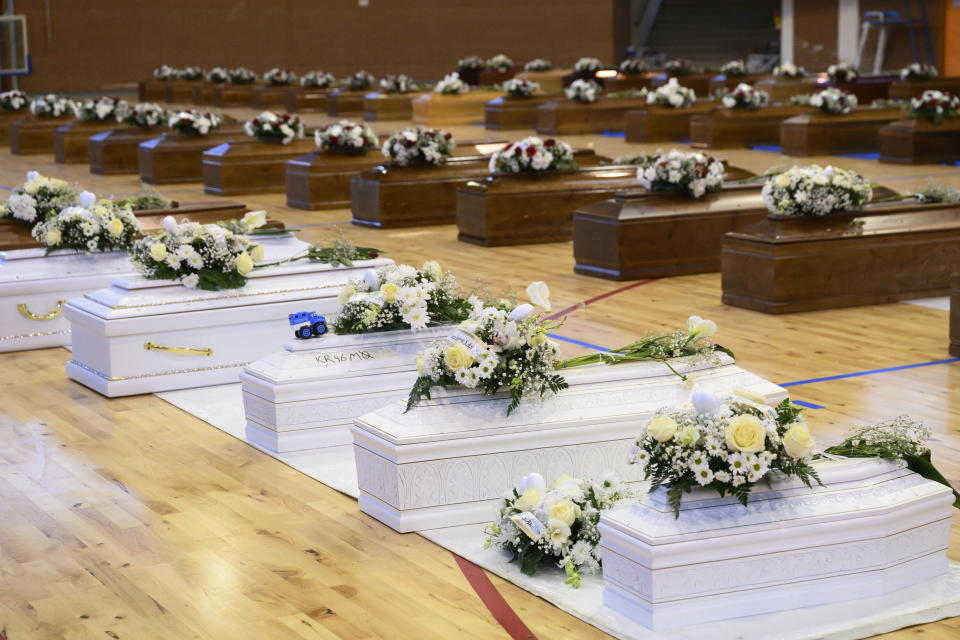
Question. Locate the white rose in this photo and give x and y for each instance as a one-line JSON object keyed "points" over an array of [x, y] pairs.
{"points": [[797, 441], [662, 428], [52, 237]]}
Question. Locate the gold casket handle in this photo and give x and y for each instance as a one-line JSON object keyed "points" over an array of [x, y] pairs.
{"points": [[22, 308], [206, 351]]}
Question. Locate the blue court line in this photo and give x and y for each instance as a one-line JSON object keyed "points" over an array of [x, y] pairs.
{"points": [[579, 342], [807, 405], [766, 147], [614, 134], [869, 372], [861, 156]]}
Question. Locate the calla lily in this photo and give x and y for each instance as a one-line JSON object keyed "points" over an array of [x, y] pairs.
{"points": [[532, 481], [698, 328], [170, 224], [706, 403], [520, 312], [87, 199], [255, 219], [372, 280], [539, 294]]}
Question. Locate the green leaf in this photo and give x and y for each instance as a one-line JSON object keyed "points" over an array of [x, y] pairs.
{"points": [[923, 466]]}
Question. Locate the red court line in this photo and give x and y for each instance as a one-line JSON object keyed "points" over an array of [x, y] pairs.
{"points": [[494, 602], [573, 308]]}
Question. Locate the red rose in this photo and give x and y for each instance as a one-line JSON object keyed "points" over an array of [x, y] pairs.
{"points": [[549, 142], [531, 151], [447, 136]]}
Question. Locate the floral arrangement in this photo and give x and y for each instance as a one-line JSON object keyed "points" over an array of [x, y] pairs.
{"points": [[278, 77], [451, 84], [38, 198], [144, 115], [14, 100], [190, 74], [218, 75], [50, 106], [633, 66], [470, 63], [790, 71], [204, 256], [898, 439], [727, 445], [934, 106], [538, 64], [634, 159], [815, 191], [250, 224], [317, 80], [418, 145], [194, 123], [242, 75], [691, 173], [582, 90], [147, 198], [400, 297], [842, 72], [533, 155], [918, 71], [587, 65], [346, 136], [520, 88], [497, 348], [559, 524], [273, 126], [745, 96], [734, 68], [89, 226], [360, 81], [834, 101], [399, 83], [103, 108], [165, 72], [672, 95], [500, 62], [677, 67]]}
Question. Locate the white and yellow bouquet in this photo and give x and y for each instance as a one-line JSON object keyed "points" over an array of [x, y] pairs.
{"points": [[242, 75], [39, 198], [842, 72], [745, 96], [734, 68], [191, 74], [583, 90], [834, 101], [520, 87], [165, 72], [587, 65], [398, 83], [144, 115], [100, 109], [500, 62], [451, 84], [218, 75], [558, 524], [815, 191], [789, 71], [533, 154], [317, 80], [470, 63], [400, 297], [91, 225], [278, 77], [693, 173], [359, 81], [633, 66], [204, 256], [499, 347], [538, 64], [50, 106], [678, 67], [728, 445], [271, 126], [418, 145], [347, 137], [672, 94]]}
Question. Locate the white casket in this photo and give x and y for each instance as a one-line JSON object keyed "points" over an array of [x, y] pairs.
{"points": [[307, 395], [447, 462], [34, 288], [874, 528], [143, 336]]}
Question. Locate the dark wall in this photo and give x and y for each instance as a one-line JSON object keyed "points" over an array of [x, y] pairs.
{"points": [[89, 45]]}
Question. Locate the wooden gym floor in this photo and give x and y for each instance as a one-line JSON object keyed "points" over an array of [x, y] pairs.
{"points": [[130, 519]]}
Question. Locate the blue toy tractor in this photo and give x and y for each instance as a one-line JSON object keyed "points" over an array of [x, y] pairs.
{"points": [[308, 324]]}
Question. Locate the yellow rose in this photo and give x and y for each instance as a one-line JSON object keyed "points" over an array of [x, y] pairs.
{"points": [[565, 511], [52, 237], [662, 428], [797, 441], [528, 500], [432, 269], [256, 252], [243, 263], [158, 252], [746, 434], [389, 291], [115, 227], [538, 338], [560, 480], [457, 356], [782, 180], [346, 293]]}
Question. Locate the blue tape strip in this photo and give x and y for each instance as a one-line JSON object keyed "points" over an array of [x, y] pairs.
{"points": [[766, 147], [579, 342], [808, 405], [615, 134], [869, 372], [863, 156]]}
